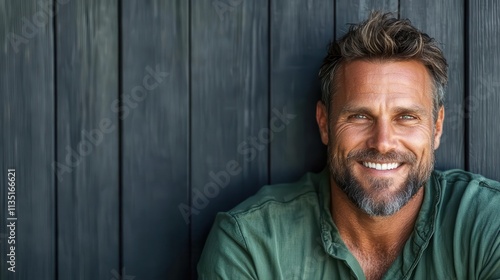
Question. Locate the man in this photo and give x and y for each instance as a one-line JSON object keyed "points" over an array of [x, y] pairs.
{"points": [[378, 211]]}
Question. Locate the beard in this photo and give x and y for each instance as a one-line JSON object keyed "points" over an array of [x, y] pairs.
{"points": [[366, 198]]}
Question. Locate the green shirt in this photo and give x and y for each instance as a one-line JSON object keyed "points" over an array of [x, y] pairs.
{"points": [[286, 232]]}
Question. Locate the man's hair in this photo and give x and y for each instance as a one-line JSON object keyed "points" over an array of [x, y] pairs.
{"points": [[383, 37]]}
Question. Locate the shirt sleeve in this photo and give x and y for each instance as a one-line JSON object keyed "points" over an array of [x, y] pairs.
{"points": [[226, 255]]}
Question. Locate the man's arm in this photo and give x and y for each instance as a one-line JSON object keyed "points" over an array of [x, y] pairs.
{"points": [[489, 229], [225, 255]]}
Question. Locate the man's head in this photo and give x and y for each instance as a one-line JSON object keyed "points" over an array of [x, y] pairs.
{"points": [[381, 112], [383, 37]]}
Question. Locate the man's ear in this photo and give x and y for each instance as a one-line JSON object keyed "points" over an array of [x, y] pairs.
{"points": [[322, 119], [438, 129]]}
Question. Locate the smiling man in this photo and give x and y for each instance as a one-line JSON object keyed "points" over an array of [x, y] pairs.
{"points": [[378, 211]]}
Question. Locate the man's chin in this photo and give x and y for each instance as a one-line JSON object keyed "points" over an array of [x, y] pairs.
{"points": [[381, 197], [383, 185]]}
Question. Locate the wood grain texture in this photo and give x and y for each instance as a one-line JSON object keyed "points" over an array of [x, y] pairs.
{"points": [[155, 138], [27, 138], [227, 72], [444, 21], [87, 139], [484, 87], [300, 33], [351, 12], [229, 112]]}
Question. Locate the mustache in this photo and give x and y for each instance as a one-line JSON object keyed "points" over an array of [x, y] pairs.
{"points": [[373, 155]]}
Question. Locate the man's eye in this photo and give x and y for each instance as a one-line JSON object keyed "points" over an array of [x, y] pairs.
{"points": [[358, 116], [407, 117]]}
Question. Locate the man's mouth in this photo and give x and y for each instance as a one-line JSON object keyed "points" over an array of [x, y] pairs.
{"points": [[382, 166]]}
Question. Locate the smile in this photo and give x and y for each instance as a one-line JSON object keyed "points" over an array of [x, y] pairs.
{"points": [[381, 166]]}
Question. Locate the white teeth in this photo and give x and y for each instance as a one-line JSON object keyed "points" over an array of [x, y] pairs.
{"points": [[383, 166]]}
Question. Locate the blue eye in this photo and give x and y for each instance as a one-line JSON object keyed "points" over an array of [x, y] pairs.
{"points": [[407, 117]]}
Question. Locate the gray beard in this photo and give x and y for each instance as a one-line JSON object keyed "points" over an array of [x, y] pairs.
{"points": [[343, 176]]}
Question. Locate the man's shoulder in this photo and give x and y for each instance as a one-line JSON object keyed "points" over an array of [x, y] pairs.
{"points": [[282, 195], [471, 202], [467, 228], [457, 178]]}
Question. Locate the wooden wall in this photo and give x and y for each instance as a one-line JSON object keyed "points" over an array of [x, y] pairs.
{"points": [[132, 123]]}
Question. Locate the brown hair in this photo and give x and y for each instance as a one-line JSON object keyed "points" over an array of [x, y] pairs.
{"points": [[382, 36]]}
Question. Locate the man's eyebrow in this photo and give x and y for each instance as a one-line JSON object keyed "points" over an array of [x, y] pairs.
{"points": [[415, 109], [355, 109]]}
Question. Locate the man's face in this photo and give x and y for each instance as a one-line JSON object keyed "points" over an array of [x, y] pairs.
{"points": [[380, 133]]}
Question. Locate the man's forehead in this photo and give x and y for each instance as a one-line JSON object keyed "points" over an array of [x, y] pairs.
{"points": [[379, 77], [411, 69], [369, 85]]}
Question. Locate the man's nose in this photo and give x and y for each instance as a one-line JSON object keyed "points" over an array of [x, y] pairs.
{"points": [[382, 137]]}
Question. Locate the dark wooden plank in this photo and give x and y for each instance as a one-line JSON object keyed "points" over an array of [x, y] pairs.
{"points": [[229, 108], [300, 33], [27, 138], [87, 140], [353, 11], [484, 86], [443, 20], [155, 138]]}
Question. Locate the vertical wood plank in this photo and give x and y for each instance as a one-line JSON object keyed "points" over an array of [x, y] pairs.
{"points": [[483, 100], [444, 21], [87, 138], [27, 140], [354, 11], [229, 79], [155, 138], [300, 32]]}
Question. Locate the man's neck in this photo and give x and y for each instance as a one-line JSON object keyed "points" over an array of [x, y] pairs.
{"points": [[369, 237]]}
